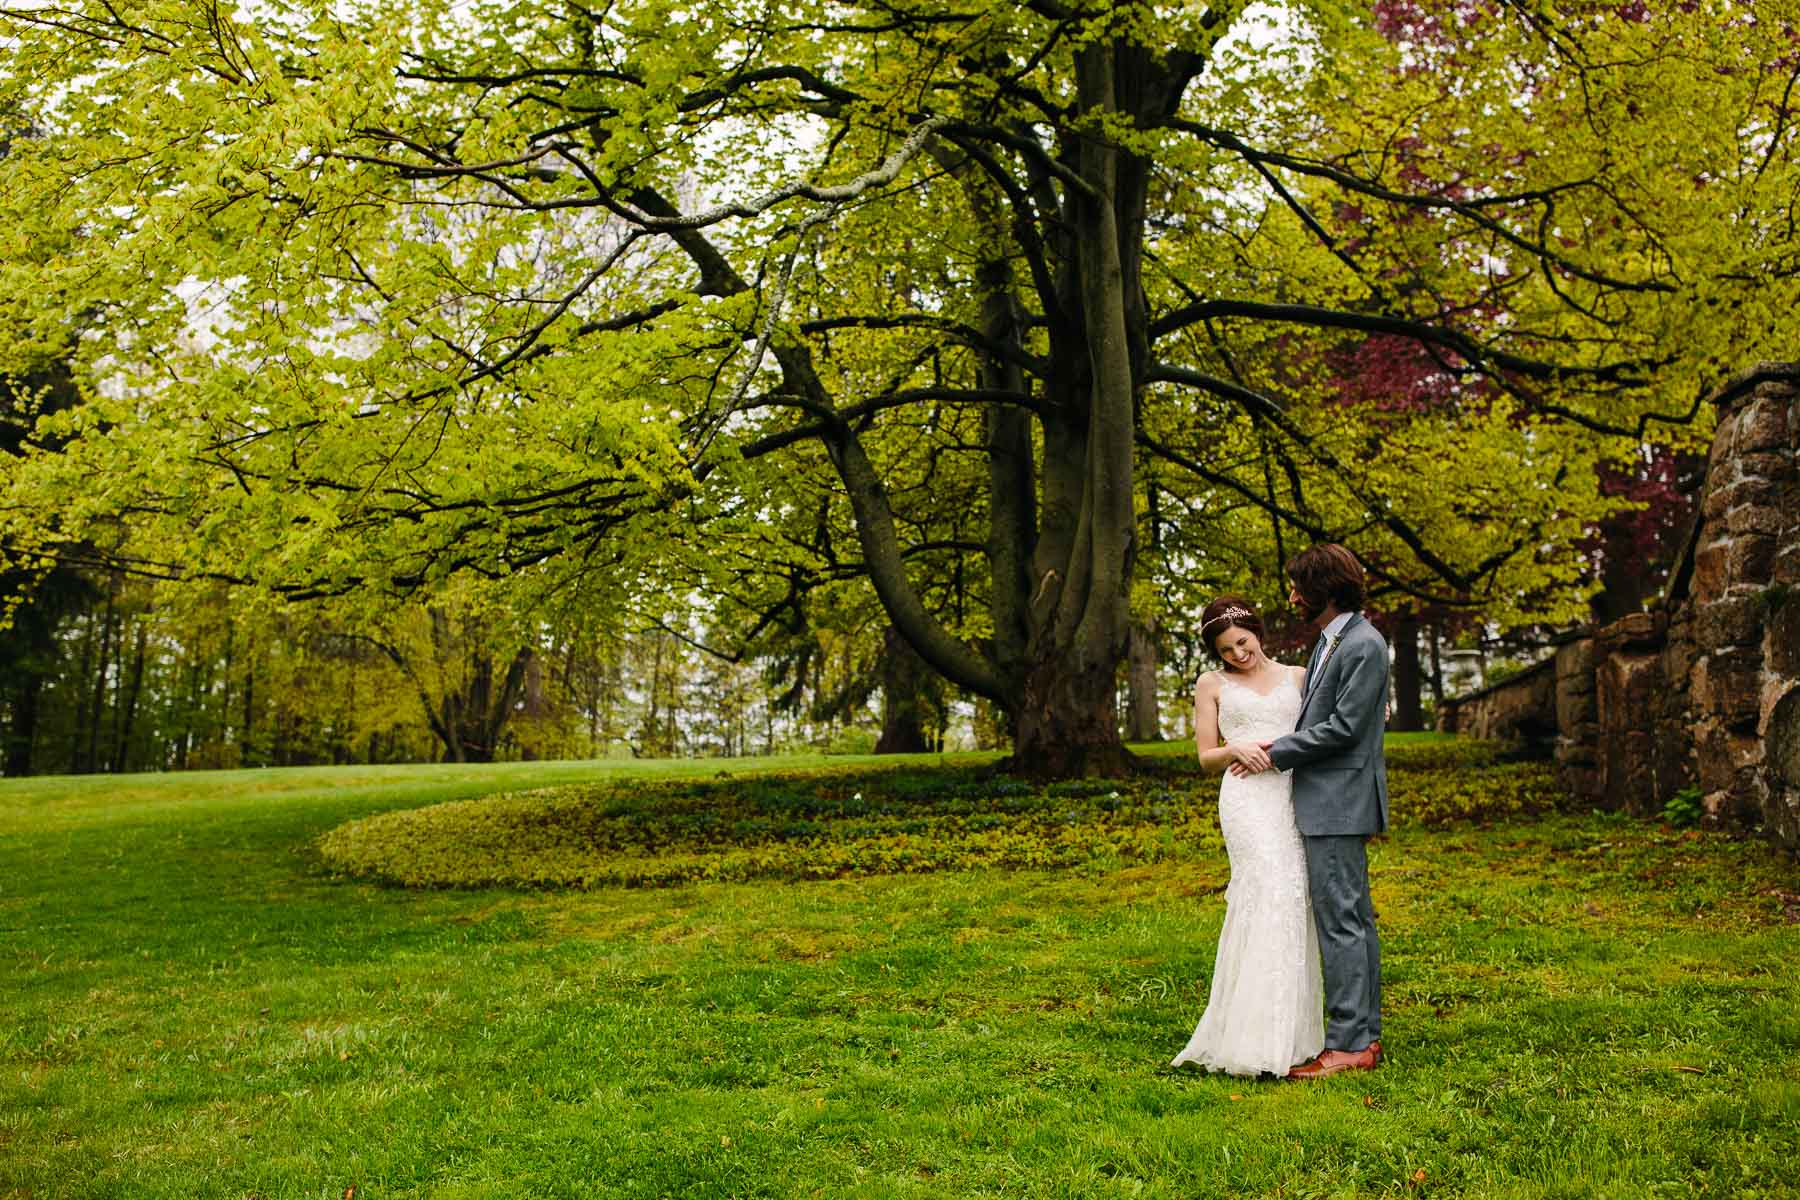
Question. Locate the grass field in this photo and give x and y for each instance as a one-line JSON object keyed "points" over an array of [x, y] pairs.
{"points": [[1576, 1006]]}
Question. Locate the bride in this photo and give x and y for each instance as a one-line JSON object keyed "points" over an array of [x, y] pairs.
{"points": [[1265, 1012]]}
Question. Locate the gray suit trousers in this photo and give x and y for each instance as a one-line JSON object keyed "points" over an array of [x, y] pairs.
{"points": [[1337, 873]]}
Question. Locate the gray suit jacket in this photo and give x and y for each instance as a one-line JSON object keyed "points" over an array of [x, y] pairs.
{"points": [[1335, 751]]}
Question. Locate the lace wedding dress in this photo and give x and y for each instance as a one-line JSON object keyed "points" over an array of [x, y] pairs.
{"points": [[1265, 1012]]}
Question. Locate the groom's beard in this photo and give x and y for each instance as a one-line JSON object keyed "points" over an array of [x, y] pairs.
{"points": [[1312, 612]]}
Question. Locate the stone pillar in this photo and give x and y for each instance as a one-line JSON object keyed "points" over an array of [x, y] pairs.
{"points": [[1628, 689], [1781, 811], [1449, 715], [1674, 719], [1745, 635], [1577, 721]]}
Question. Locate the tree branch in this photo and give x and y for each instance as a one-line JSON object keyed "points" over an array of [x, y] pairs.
{"points": [[1333, 318], [1470, 209]]}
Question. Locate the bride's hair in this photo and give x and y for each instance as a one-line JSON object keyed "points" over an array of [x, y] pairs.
{"points": [[1227, 612]]}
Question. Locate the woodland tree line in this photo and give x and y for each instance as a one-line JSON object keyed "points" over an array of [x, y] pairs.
{"points": [[211, 681], [111, 674], [529, 378]]}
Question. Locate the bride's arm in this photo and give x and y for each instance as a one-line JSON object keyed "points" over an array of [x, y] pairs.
{"points": [[1213, 756]]}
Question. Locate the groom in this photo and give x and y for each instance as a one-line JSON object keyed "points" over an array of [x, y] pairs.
{"points": [[1340, 798]]}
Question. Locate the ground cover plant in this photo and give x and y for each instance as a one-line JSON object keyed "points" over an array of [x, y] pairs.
{"points": [[198, 1004], [870, 820]]}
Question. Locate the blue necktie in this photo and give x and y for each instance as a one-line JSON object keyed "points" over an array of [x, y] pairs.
{"points": [[1312, 668]]}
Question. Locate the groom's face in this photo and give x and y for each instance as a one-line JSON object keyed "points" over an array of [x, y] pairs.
{"points": [[1300, 602]]}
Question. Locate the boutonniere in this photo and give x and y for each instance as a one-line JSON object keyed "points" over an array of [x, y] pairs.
{"points": [[1331, 648]]}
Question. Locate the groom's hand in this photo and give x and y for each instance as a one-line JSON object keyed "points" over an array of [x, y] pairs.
{"points": [[1240, 770]]}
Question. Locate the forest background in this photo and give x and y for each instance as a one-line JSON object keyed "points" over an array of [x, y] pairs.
{"points": [[518, 380]]}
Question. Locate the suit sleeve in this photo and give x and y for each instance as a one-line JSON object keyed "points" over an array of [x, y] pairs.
{"points": [[1361, 690]]}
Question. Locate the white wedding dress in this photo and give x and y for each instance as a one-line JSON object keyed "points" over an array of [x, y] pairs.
{"points": [[1266, 1009]]}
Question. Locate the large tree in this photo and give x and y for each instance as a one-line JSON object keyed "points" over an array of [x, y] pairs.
{"points": [[537, 289]]}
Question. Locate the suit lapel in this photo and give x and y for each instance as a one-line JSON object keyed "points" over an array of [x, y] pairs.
{"points": [[1323, 654], [1312, 672]]}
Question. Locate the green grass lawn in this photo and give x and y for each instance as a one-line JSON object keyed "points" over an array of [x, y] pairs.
{"points": [[1576, 1006]]}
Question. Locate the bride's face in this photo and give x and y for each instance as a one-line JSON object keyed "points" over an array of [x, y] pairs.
{"points": [[1239, 648]]}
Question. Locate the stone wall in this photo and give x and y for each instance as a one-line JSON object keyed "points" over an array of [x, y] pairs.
{"points": [[1520, 709], [1735, 641], [1578, 718], [1634, 755], [1706, 692]]}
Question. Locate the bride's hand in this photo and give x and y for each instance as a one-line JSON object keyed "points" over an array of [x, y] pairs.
{"points": [[1248, 758]]}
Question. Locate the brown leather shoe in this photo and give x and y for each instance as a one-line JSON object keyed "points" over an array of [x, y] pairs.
{"points": [[1330, 1062]]}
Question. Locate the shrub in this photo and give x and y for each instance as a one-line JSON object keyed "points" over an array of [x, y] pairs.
{"points": [[1684, 810], [1448, 754], [828, 823], [1499, 672], [852, 740]]}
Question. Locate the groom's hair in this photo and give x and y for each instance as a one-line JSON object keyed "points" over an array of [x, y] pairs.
{"points": [[1327, 574]]}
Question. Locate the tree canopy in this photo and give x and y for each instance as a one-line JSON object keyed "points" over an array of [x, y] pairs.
{"points": [[995, 294]]}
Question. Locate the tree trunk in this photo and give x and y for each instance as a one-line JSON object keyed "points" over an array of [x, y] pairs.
{"points": [[124, 726], [1068, 718], [1409, 716], [1060, 604], [512, 689], [1437, 667], [1142, 721], [612, 693], [247, 755], [1623, 575], [224, 731], [90, 760], [535, 702], [902, 707], [190, 714], [82, 693], [472, 710], [22, 735], [282, 727], [472, 717], [109, 759], [768, 722], [1012, 469], [1069, 726], [651, 729]]}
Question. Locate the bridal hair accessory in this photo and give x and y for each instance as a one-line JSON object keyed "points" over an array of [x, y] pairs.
{"points": [[1231, 614]]}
